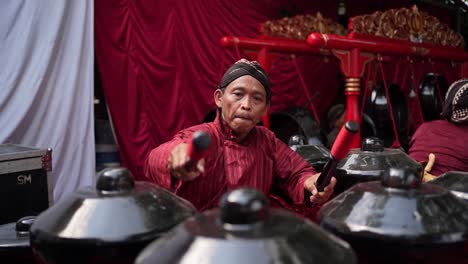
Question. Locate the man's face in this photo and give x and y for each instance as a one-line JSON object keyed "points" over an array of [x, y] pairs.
{"points": [[243, 104]]}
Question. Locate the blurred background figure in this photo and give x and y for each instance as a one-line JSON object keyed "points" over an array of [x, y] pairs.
{"points": [[335, 120]]}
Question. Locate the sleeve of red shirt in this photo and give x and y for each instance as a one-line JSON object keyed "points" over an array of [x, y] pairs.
{"points": [[291, 170], [155, 169]]}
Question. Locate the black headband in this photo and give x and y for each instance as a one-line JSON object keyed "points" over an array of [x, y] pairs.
{"points": [[245, 67]]}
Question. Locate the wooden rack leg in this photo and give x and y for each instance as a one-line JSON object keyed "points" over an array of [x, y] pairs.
{"points": [[352, 64]]}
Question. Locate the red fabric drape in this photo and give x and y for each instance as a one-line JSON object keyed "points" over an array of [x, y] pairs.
{"points": [[160, 62]]}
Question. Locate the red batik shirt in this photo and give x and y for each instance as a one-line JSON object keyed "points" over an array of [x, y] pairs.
{"points": [[260, 161]]}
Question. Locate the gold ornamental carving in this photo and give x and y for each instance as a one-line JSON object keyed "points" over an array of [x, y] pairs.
{"points": [[300, 26], [407, 24]]}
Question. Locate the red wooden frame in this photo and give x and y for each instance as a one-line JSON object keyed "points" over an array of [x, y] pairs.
{"points": [[353, 52]]}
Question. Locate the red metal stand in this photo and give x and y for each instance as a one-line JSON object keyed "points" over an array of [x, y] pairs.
{"points": [[353, 51], [382, 46], [352, 64]]}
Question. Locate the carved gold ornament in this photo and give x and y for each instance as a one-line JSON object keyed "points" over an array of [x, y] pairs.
{"points": [[407, 24], [300, 26]]}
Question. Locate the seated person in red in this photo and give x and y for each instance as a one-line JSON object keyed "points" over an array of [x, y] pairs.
{"points": [[240, 154], [447, 138]]}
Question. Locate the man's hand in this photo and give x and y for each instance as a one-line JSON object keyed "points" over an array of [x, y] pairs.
{"points": [[319, 197], [427, 169], [178, 164]]}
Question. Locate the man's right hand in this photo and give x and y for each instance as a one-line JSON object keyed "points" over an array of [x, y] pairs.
{"points": [[178, 164]]}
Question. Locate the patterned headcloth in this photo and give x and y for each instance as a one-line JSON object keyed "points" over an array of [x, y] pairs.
{"points": [[244, 67], [456, 102]]}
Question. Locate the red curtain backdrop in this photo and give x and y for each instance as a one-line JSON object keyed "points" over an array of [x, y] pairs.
{"points": [[160, 62]]}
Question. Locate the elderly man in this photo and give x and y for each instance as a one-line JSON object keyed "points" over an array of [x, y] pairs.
{"points": [[241, 154]]}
